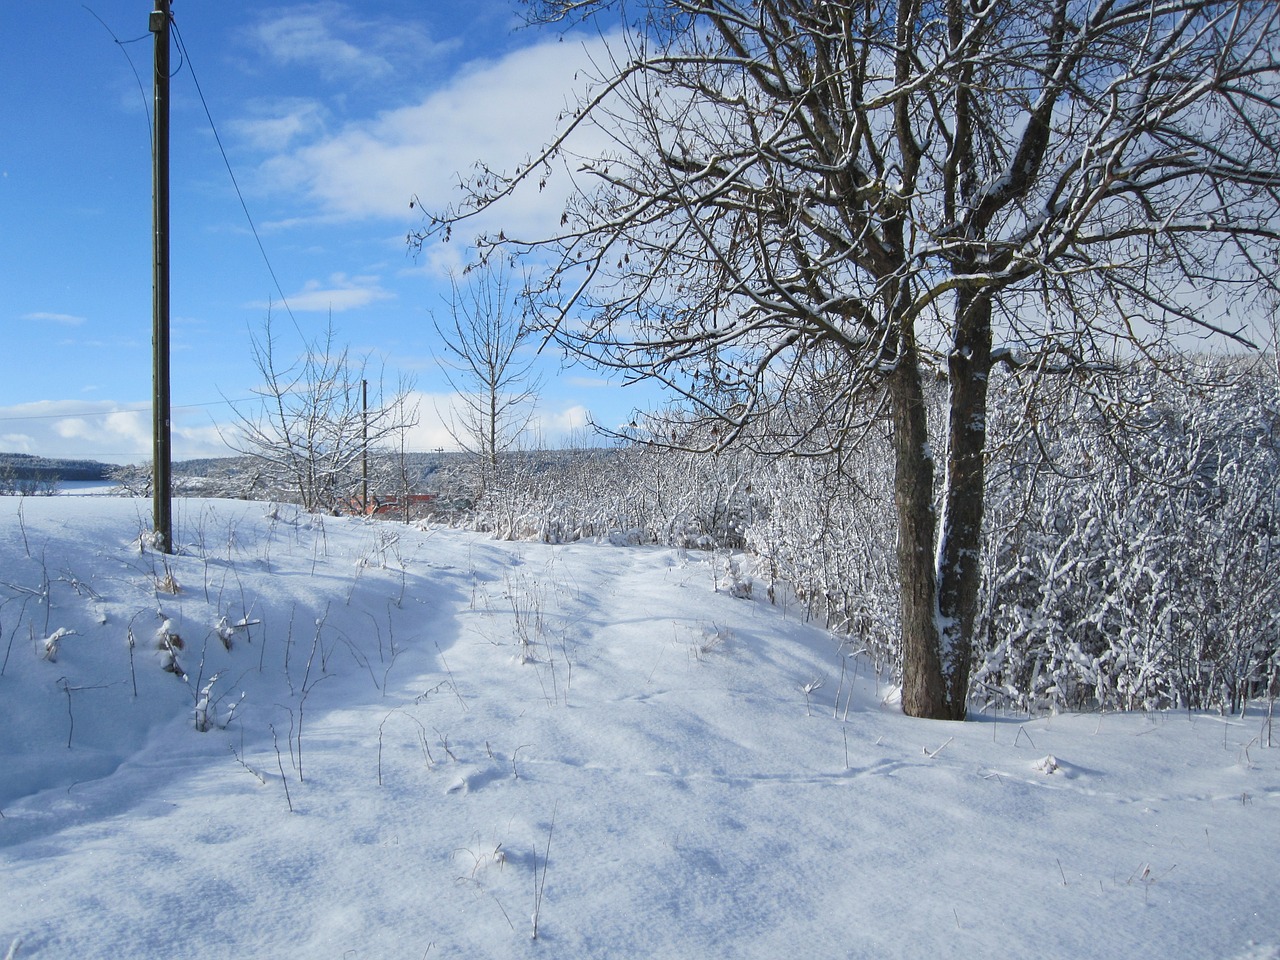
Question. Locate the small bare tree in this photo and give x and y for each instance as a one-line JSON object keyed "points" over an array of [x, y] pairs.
{"points": [[494, 383], [315, 426]]}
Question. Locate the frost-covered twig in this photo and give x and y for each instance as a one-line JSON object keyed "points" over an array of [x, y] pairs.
{"points": [[240, 760], [935, 753], [275, 742], [51, 642], [808, 689]]}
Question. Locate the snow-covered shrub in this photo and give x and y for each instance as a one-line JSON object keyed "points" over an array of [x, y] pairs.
{"points": [[1142, 574], [1132, 555], [671, 497], [827, 534]]}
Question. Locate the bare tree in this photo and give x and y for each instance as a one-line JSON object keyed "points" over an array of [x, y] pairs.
{"points": [[315, 426], [896, 190], [494, 383]]}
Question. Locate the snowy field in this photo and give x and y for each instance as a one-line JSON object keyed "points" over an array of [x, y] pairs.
{"points": [[430, 744]]}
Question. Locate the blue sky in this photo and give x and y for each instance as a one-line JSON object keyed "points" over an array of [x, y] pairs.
{"points": [[333, 116]]}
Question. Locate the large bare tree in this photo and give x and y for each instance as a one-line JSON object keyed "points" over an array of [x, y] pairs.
{"points": [[891, 191]]}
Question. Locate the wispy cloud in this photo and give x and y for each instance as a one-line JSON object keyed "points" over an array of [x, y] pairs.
{"points": [[589, 383], [307, 36], [337, 294], [327, 37], [277, 124], [66, 319]]}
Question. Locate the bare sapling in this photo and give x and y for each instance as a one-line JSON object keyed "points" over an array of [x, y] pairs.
{"points": [[308, 685], [68, 689], [239, 755], [22, 527]]}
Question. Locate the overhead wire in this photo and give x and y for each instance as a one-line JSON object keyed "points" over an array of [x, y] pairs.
{"points": [[186, 57], [217, 137], [146, 104], [185, 61], [86, 414]]}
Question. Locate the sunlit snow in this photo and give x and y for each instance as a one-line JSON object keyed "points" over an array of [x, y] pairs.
{"points": [[428, 743]]}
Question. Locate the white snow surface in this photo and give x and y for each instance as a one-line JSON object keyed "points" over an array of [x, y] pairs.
{"points": [[659, 769]]}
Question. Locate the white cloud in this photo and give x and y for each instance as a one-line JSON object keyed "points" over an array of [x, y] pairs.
{"points": [[280, 123], [306, 36], [79, 428], [434, 413], [66, 319], [437, 410], [118, 433], [190, 442], [119, 430], [498, 112], [556, 425], [337, 294], [103, 430]]}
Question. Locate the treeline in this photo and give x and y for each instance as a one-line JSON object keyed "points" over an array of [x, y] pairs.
{"points": [[19, 467]]}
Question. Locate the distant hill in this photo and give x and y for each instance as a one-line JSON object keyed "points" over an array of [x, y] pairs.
{"points": [[24, 466], [433, 470]]}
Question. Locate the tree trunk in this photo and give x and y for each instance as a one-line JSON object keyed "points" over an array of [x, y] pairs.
{"points": [[959, 567], [924, 693]]}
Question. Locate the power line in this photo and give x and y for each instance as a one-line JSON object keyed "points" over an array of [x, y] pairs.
{"points": [[85, 414], [186, 60], [146, 104], [186, 57]]}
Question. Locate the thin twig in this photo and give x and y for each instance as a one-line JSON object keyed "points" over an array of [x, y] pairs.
{"points": [[540, 887]]}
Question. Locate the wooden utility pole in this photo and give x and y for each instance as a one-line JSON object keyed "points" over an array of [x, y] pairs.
{"points": [[364, 439], [162, 484]]}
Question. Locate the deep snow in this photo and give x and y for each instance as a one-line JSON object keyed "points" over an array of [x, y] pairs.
{"points": [[473, 732]]}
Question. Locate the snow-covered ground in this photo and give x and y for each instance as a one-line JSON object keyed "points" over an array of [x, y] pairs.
{"points": [[430, 744]]}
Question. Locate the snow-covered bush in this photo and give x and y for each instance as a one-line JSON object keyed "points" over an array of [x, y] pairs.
{"points": [[1141, 574], [659, 496], [1132, 549], [827, 534]]}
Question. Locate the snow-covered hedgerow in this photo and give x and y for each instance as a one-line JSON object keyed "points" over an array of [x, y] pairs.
{"points": [[653, 496], [1132, 547], [827, 533], [1141, 574]]}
